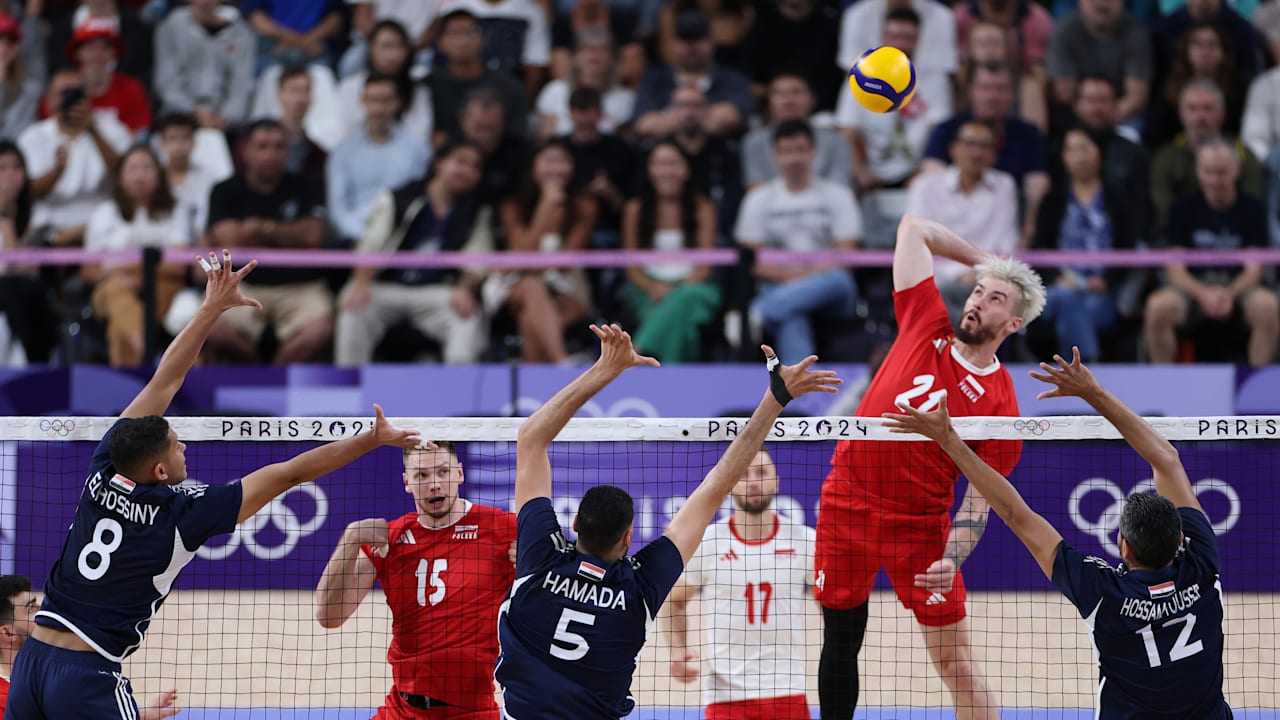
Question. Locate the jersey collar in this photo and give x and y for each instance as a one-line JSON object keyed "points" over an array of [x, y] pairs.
{"points": [[466, 508], [769, 538], [994, 366]]}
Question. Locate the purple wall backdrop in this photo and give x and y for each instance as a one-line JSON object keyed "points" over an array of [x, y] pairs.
{"points": [[288, 549]]}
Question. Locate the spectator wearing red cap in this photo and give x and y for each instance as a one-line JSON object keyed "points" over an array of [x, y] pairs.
{"points": [[95, 48], [20, 88]]}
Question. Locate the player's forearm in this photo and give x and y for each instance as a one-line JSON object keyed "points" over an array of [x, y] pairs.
{"points": [[185, 348], [1148, 443], [678, 627], [338, 593], [547, 421], [942, 242], [327, 458]]}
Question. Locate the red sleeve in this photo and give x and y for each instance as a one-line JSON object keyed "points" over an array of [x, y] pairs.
{"points": [[136, 110], [921, 313]]}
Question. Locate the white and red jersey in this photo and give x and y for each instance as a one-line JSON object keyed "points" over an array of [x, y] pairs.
{"points": [[444, 586], [755, 594], [922, 364]]}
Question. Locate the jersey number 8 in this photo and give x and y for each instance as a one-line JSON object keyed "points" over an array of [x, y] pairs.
{"points": [[99, 550]]}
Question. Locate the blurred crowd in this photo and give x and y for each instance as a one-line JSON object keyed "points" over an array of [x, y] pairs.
{"points": [[567, 125]]}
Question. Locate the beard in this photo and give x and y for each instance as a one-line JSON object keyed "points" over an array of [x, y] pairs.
{"points": [[977, 334], [754, 506]]}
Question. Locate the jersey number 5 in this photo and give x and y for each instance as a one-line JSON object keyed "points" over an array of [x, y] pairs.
{"points": [[1181, 648], [923, 384], [574, 647], [437, 583]]}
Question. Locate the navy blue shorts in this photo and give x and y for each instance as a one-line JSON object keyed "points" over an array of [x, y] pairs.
{"points": [[50, 683]]}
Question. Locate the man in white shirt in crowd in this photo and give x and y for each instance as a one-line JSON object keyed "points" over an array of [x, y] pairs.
{"points": [[978, 202], [791, 98], [889, 147], [864, 21], [377, 156], [754, 570], [801, 213], [70, 157]]}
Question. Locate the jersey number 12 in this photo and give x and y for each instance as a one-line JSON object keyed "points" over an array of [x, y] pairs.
{"points": [[1181, 648]]}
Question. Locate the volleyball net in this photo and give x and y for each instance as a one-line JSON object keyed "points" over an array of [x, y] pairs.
{"points": [[239, 640]]}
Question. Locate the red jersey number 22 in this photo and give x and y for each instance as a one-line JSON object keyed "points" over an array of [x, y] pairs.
{"points": [[923, 384]]}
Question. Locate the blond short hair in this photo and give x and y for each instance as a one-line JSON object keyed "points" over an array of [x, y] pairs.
{"points": [[422, 447], [1031, 293]]}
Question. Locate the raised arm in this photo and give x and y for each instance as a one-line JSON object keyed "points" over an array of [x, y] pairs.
{"points": [[785, 382], [919, 240], [349, 575], [1075, 380], [684, 662], [533, 464], [221, 293], [262, 486], [1033, 530]]}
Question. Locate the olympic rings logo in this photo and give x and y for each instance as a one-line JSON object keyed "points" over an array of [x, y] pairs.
{"points": [[1032, 427], [1104, 527], [283, 518], [57, 427]]}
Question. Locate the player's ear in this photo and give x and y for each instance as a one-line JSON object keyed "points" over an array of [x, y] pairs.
{"points": [[575, 524], [626, 539], [160, 472]]}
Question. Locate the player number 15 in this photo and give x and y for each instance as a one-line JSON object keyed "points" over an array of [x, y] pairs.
{"points": [[437, 583]]}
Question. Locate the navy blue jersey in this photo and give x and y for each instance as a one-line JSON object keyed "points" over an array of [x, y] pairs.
{"points": [[124, 550], [1157, 633], [573, 626]]}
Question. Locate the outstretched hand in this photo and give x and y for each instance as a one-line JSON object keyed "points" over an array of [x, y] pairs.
{"points": [[934, 425], [222, 291], [385, 434], [616, 351], [800, 380], [1070, 380], [161, 706]]}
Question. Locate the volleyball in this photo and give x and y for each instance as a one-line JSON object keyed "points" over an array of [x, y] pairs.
{"points": [[883, 79]]}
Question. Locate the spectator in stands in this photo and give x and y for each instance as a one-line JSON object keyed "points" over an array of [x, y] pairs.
{"points": [[30, 36], [1101, 39], [20, 89], [991, 44], [802, 213], [863, 24], [1260, 126], [293, 32], [619, 22], [463, 71], [1173, 169], [729, 23], [69, 160], [304, 155], [1247, 47], [888, 147], [440, 215], [517, 38], [202, 67], [24, 298], [482, 119], [1201, 53], [1020, 149], [802, 36], [791, 98], [415, 17], [975, 199], [374, 158], [1083, 214], [548, 213], [1266, 18], [136, 36], [390, 54], [1215, 216], [717, 167], [266, 206], [593, 67], [727, 91], [96, 48], [603, 164], [1027, 27], [141, 213], [673, 303], [1125, 163], [189, 182]]}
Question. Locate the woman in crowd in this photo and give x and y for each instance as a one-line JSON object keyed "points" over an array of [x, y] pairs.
{"points": [[390, 53], [672, 302], [547, 213], [1082, 214], [141, 213], [1202, 53]]}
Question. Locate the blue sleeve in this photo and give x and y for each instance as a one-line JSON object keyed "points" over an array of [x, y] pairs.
{"points": [[939, 146], [539, 537], [1080, 577], [250, 6], [207, 510], [736, 90], [658, 567], [102, 453], [1201, 543]]}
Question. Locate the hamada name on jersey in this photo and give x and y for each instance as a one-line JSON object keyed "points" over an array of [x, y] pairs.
{"points": [[923, 365]]}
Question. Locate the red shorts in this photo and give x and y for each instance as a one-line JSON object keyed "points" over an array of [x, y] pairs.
{"points": [[791, 707], [396, 708], [855, 542]]}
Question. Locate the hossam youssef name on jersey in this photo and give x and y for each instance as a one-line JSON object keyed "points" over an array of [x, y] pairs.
{"points": [[585, 592], [1148, 610], [118, 502]]}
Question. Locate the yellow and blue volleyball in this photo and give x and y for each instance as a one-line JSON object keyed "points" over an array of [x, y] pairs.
{"points": [[883, 79]]}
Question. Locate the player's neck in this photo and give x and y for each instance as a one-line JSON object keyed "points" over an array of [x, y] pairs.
{"points": [[6, 663], [455, 514], [978, 355], [754, 527]]}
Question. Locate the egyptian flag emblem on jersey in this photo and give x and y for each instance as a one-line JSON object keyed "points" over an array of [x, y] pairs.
{"points": [[122, 483], [594, 573], [1164, 589]]}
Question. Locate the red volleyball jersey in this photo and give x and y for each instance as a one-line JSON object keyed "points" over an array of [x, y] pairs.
{"points": [[444, 586], [918, 477]]}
